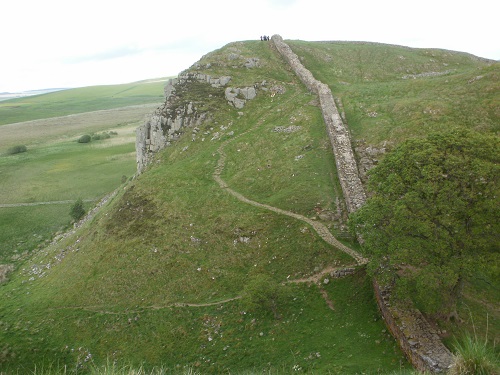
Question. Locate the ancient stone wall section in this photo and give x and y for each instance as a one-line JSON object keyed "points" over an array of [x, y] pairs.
{"points": [[338, 133], [418, 340], [421, 344]]}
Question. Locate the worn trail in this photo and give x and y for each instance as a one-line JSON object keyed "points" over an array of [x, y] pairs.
{"points": [[320, 228]]}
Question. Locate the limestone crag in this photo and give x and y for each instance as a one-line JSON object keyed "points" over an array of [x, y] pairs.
{"points": [[338, 133], [206, 78], [179, 112]]}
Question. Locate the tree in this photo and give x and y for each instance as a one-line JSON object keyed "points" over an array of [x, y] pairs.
{"points": [[77, 211], [84, 139], [434, 216]]}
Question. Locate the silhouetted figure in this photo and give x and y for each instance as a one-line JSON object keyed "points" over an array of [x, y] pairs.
{"points": [[261, 38]]}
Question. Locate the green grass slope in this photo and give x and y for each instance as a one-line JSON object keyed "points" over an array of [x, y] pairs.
{"points": [[156, 277], [390, 93]]}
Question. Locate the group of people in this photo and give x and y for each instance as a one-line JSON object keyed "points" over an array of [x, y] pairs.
{"points": [[264, 38]]}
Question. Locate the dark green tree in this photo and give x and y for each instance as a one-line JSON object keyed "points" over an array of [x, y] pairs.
{"points": [[434, 216], [77, 210], [84, 139]]}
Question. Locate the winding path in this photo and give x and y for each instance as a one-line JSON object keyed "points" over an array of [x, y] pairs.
{"points": [[320, 228]]}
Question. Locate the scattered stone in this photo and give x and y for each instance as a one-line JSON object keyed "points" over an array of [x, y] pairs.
{"points": [[252, 62], [287, 129]]}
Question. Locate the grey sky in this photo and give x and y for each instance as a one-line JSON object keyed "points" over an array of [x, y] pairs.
{"points": [[62, 43]]}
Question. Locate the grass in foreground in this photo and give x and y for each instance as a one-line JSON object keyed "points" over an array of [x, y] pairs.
{"points": [[474, 356]]}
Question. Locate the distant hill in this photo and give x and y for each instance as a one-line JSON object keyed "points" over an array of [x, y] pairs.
{"points": [[40, 104], [21, 94]]}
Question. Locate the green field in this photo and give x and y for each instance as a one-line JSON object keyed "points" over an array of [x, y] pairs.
{"points": [[56, 168], [159, 277], [81, 100]]}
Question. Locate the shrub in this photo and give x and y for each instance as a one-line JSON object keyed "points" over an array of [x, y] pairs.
{"points": [[5, 269], [77, 211], [98, 137], [474, 357], [84, 139], [17, 149], [262, 294]]}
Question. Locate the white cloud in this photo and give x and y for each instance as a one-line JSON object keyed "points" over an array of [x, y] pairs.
{"points": [[61, 43]]}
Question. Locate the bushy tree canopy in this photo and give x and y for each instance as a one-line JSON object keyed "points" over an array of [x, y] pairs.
{"points": [[77, 211], [434, 215]]}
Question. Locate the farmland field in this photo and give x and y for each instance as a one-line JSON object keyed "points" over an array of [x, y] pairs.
{"points": [[38, 187]]}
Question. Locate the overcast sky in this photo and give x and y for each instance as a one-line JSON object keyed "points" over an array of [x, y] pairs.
{"points": [[74, 43]]}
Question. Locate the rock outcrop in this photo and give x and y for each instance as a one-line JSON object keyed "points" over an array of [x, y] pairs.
{"points": [[338, 133], [179, 112], [165, 124]]}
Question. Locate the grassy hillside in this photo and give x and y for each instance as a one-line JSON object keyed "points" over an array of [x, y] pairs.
{"points": [[390, 93], [161, 276]]}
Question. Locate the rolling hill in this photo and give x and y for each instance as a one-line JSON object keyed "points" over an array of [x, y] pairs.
{"points": [[176, 271]]}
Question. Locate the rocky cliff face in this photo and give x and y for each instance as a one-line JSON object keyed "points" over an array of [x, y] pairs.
{"points": [[185, 107]]}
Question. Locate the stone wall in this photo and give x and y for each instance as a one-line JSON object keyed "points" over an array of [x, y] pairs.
{"points": [[419, 341], [338, 133]]}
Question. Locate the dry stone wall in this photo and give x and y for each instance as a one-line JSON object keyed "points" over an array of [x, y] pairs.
{"points": [[338, 133], [420, 342]]}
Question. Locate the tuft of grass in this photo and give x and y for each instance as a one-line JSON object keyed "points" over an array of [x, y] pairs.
{"points": [[474, 357]]}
